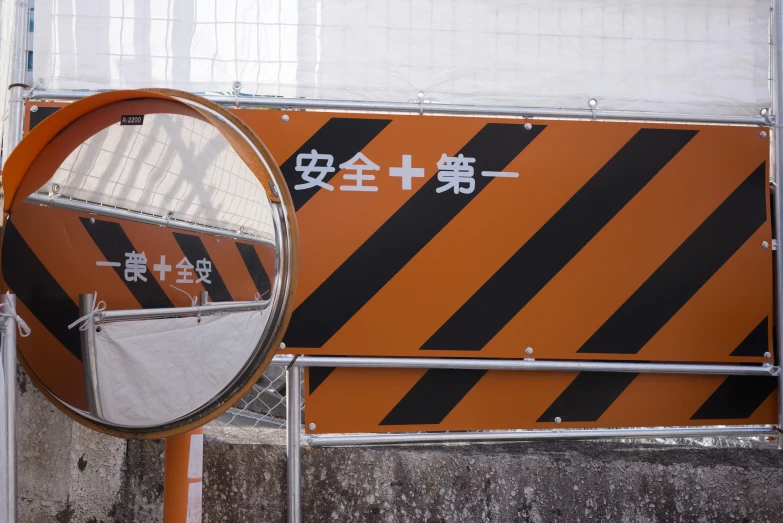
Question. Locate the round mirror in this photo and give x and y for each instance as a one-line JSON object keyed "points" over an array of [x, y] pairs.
{"points": [[150, 240]]}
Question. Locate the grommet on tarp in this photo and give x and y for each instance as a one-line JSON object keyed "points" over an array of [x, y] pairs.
{"points": [[237, 88], [593, 103]]}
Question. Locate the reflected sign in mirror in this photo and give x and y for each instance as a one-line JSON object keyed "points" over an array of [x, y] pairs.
{"points": [[151, 243]]}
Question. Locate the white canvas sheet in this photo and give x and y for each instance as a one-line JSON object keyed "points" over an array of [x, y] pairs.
{"points": [[705, 57], [172, 163], [155, 371]]}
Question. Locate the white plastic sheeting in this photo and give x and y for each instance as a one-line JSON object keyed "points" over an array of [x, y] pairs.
{"points": [[701, 57], [170, 164], [7, 16], [154, 371]]}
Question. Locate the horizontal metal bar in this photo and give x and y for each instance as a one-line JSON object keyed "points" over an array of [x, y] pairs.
{"points": [[339, 440], [437, 108], [533, 365], [123, 214], [206, 310]]}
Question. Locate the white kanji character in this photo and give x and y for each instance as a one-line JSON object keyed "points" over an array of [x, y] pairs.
{"points": [[162, 268], [185, 272], [203, 268], [359, 163], [406, 172], [135, 266], [455, 172], [313, 167]]}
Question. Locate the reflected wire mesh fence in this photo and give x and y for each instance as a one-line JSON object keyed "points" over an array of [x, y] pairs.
{"points": [[264, 406]]}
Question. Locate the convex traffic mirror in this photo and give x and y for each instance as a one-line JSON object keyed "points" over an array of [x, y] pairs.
{"points": [[151, 243]]}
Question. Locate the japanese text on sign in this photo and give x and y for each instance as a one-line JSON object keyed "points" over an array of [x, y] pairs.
{"points": [[454, 172], [135, 268]]}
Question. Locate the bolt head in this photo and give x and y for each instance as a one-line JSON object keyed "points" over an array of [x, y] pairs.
{"points": [[764, 245], [767, 355], [34, 109], [286, 118], [764, 112], [282, 345], [558, 420], [55, 188], [92, 220], [528, 126], [311, 426], [763, 134], [217, 240], [274, 190], [420, 95], [529, 350], [593, 103], [236, 86]]}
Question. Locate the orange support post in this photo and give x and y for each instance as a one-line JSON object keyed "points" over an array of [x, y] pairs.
{"points": [[182, 467]]}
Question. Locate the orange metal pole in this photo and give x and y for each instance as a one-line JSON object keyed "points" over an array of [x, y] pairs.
{"points": [[182, 467]]}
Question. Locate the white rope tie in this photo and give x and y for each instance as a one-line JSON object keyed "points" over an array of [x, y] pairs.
{"points": [[24, 329], [193, 299], [97, 308]]}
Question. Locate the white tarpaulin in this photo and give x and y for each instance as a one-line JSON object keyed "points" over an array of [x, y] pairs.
{"points": [[172, 165], [154, 371], [704, 57], [7, 16]]}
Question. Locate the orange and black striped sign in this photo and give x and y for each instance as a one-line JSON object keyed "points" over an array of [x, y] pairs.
{"points": [[50, 256], [577, 240], [405, 400], [614, 241]]}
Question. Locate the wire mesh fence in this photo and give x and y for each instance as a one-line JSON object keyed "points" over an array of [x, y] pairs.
{"points": [[264, 405]]}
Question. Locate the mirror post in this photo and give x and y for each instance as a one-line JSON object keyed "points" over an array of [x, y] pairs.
{"points": [[183, 463], [294, 429], [9, 367]]}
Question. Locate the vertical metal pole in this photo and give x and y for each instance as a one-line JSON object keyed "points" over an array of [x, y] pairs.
{"points": [[777, 164], [9, 366], [294, 428], [87, 336], [18, 76]]}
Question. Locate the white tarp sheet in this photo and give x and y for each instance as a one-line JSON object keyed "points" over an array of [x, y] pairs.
{"points": [[154, 371], [704, 57], [170, 164], [7, 17]]}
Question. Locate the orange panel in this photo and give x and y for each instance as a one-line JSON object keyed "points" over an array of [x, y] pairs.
{"points": [[410, 400]]}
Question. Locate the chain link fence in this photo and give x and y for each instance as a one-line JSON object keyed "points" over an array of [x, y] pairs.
{"points": [[264, 406]]}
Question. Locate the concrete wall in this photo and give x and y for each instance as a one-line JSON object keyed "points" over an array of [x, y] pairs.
{"points": [[68, 474]]}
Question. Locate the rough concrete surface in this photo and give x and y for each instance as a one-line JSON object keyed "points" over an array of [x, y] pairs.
{"points": [[68, 474]]}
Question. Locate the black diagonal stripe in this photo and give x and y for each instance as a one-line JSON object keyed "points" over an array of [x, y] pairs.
{"points": [[756, 343], [588, 396], [256, 269], [113, 244], [400, 238], [559, 240], [340, 137], [317, 375], [37, 289], [194, 250], [694, 262], [40, 115], [433, 397], [737, 397]]}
